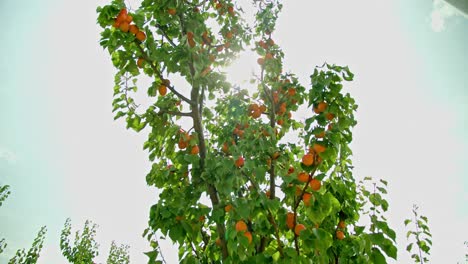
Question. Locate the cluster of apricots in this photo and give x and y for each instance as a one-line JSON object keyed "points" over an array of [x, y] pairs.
{"points": [[266, 46], [222, 8], [321, 108], [339, 232], [282, 98], [255, 111], [123, 21], [185, 142], [241, 226], [291, 223]]}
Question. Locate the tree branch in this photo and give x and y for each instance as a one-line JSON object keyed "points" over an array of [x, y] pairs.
{"points": [[158, 73]]}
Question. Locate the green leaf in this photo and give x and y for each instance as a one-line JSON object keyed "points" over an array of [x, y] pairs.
{"points": [[377, 257]]}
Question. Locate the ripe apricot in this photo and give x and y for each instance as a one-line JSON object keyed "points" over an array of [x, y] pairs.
{"points": [[290, 220], [122, 16], [225, 148], [267, 194], [124, 26], [133, 29], [303, 177], [201, 218], [129, 19], [268, 56], [342, 224], [318, 148], [340, 235], [298, 229], [231, 10], [228, 208], [261, 61], [191, 43], [195, 150], [190, 35], [282, 109], [218, 241], [308, 159], [248, 235], [280, 122], [227, 45], [171, 11], [306, 198], [140, 35], [241, 226], [315, 184], [229, 35], [162, 89], [240, 162], [140, 62], [291, 91], [321, 107], [330, 116], [290, 170], [276, 155], [182, 144]]}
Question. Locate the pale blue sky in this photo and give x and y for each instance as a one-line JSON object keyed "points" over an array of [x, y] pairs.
{"points": [[64, 156]]}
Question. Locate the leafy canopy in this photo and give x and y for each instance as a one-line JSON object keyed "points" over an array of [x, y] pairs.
{"points": [[241, 178]]}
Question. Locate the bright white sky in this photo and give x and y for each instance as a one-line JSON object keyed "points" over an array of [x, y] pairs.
{"points": [[65, 156]]}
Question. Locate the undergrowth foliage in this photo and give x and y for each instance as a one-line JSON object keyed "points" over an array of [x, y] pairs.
{"points": [[241, 179]]}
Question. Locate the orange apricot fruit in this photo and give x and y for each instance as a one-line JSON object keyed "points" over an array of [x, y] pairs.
{"points": [[124, 26], [140, 35], [261, 61], [306, 198], [241, 226], [195, 150], [318, 148], [342, 224], [298, 229], [303, 177], [290, 220], [172, 11], [308, 159], [248, 235], [162, 89], [140, 62], [340, 235], [321, 107], [240, 162], [315, 184], [133, 29]]}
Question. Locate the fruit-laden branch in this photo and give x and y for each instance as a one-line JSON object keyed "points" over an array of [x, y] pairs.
{"points": [[158, 73], [270, 218], [296, 205]]}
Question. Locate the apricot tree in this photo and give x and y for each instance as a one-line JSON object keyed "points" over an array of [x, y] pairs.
{"points": [[241, 178]]}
